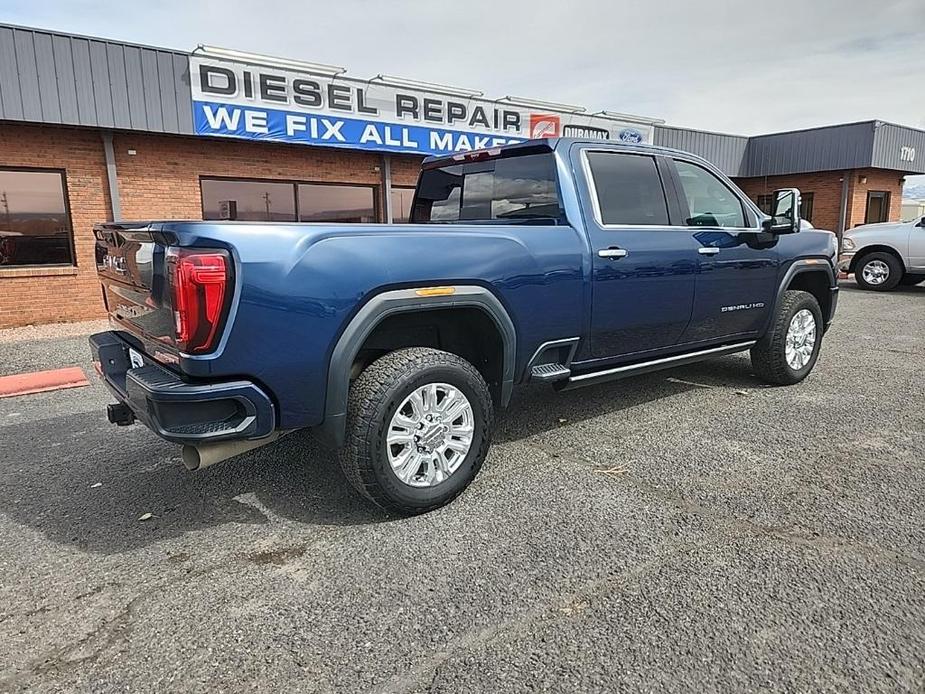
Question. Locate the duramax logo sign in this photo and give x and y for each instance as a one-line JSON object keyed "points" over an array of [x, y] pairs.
{"points": [[238, 99]]}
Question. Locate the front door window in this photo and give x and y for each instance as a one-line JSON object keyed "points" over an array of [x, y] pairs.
{"points": [[710, 202]]}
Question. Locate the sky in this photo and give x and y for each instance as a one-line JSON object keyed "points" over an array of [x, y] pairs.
{"points": [[721, 65]]}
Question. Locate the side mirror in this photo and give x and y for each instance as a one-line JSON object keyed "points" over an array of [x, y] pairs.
{"points": [[785, 212]]}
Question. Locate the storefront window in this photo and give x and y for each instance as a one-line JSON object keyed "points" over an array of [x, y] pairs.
{"points": [[35, 227], [333, 203], [256, 201], [401, 204], [273, 201]]}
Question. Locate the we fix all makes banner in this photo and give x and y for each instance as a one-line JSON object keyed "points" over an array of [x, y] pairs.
{"points": [[236, 99]]}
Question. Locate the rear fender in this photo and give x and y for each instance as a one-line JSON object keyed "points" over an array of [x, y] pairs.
{"points": [[332, 429]]}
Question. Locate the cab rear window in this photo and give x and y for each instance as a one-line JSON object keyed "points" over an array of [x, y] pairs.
{"points": [[502, 189]]}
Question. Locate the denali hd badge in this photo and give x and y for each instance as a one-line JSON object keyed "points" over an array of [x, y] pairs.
{"points": [[742, 307]]}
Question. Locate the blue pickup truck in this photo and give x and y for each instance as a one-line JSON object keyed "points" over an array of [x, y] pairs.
{"points": [[560, 261]]}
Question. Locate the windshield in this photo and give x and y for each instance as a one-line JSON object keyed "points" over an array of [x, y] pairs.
{"points": [[502, 189]]}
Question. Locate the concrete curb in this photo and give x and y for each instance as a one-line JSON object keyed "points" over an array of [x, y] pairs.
{"points": [[41, 381]]}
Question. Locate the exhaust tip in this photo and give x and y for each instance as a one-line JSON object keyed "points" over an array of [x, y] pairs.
{"points": [[206, 454], [191, 458]]}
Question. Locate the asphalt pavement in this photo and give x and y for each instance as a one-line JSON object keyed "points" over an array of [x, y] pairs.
{"points": [[688, 530]]}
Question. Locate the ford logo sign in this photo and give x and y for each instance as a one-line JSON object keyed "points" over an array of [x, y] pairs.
{"points": [[630, 135]]}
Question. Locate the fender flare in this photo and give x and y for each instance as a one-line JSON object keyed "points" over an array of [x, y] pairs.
{"points": [[798, 267], [332, 430]]}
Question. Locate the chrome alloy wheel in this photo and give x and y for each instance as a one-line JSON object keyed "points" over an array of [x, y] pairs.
{"points": [[801, 339], [876, 272], [430, 434]]}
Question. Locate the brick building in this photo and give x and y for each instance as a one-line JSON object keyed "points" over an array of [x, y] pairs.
{"points": [[94, 130], [822, 195]]}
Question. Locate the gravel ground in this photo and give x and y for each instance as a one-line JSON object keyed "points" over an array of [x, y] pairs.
{"points": [[43, 347], [688, 530]]}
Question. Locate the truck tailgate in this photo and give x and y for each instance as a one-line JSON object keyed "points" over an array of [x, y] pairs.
{"points": [[132, 272]]}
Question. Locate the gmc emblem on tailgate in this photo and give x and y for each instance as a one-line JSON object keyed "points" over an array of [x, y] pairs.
{"points": [[116, 263]]}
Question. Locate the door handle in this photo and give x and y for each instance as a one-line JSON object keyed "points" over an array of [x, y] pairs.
{"points": [[613, 253], [708, 250]]}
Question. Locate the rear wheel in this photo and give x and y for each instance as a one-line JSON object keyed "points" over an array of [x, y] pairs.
{"points": [[909, 279], [878, 271], [788, 352], [418, 429]]}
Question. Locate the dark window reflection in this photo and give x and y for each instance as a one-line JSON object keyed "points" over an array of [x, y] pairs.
{"points": [[629, 189], [255, 201], [334, 203], [34, 225], [516, 188]]}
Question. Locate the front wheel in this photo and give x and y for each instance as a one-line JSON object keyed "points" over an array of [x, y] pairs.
{"points": [[788, 352], [878, 271], [419, 424]]}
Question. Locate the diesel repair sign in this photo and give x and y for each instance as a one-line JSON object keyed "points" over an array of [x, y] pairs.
{"points": [[237, 99]]}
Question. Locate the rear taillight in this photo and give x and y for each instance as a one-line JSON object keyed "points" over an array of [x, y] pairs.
{"points": [[200, 284]]}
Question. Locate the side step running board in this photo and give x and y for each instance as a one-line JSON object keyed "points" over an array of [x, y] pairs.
{"points": [[546, 373], [654, 365]]}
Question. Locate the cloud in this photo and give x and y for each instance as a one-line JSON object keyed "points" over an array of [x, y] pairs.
{"points": [[714, 64], [720, 65]]}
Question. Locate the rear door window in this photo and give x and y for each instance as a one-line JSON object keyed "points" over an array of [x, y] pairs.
{"points": [[513, 188], [628, 188]]}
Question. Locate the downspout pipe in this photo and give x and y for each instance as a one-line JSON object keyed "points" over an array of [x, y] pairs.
{"points": [[112, 176], [387, 189], [843, 206]]}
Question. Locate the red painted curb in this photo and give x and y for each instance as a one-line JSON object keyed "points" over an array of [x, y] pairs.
{"points": [[40, 381]]}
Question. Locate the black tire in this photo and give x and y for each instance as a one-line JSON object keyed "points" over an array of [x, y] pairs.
{"points": [[909, 279], [376, 395], [769, 356], [895, 268]]}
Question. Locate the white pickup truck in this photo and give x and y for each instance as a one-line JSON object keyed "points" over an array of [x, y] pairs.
{"points": [[883, 256]]}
